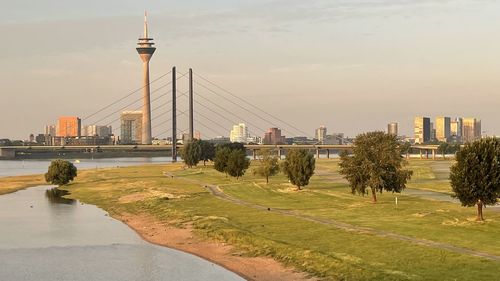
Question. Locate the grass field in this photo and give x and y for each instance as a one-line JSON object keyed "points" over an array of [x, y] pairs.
{"points": [[323, 250]]}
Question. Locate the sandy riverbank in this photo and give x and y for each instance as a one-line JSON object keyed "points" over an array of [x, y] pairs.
{"points": [[184, 239]]}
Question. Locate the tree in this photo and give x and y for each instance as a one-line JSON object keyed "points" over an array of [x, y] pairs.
{"points": [[207, 151], [405, 148], [221, 158], [60, 172], [237, 163], [443, 148], [191, 153], [475, 176], [299, 167], [375, 163], [268, 164]]}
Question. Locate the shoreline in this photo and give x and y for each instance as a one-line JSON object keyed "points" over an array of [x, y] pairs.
{"points": [[153, 231], [185, 240]]}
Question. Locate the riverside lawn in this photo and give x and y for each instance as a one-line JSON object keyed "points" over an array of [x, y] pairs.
{"points": [[322, 250]]}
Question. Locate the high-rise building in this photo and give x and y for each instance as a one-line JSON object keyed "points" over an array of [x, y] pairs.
{"points": [[320, 134], [239, 133], [69, 126], [392, 128], [456, 127], [131, 127], [422, 129], [146, 50], [273, 136], [443, 129], [96, 130], [471, 129], [50, 130]]}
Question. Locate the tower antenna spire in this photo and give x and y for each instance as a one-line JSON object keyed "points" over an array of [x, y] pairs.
{"points": [[145, 24]]}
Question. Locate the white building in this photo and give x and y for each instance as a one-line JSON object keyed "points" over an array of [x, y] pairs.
{"points": [[239, 133]]}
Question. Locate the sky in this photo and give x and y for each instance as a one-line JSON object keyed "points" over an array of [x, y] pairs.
{"points": [[351, 65]]}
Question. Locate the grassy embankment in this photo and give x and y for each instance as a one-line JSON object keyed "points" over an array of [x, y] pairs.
{"points": [[320, 249], [11, 184]]}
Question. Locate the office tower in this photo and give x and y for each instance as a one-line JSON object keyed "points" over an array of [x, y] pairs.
{"points": [[471, 130], [443, 129], [69, 126], [320, 134], [456, 127], [146, 50], [131, 127], [96, 130], [392, 128], [273, 136], [422, 129], [50, 130], [239, 133]]}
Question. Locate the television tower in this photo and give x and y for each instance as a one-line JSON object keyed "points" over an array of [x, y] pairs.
{"points": [[146, 50]]}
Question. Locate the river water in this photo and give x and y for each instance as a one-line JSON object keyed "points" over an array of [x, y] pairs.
{"points": [[29, 167], [46, 237]]}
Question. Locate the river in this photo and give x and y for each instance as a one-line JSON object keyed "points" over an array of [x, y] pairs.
{"points": [[45, 237]]}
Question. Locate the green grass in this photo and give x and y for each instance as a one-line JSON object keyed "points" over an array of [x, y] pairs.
{"points": [[319, 249]]}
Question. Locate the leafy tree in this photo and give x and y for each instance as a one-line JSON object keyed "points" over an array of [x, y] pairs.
{"points": [[299, 167], [237, 163], [60, 172], [475, 177], [232, 146], [268, 164], [405, 148], [443, 148], [191, 153], [375, 163], [207, 151], [221, 158]]}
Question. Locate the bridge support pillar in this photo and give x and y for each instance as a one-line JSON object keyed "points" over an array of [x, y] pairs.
{"points": [[254, 154], [426, 154], [279, 153], [434, 154], [328, 153], [317, 153]]}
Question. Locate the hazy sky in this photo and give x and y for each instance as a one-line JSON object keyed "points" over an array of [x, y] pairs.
{"points": [[350, 65]]}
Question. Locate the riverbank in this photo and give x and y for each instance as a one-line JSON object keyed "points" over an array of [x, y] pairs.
{"points": [[323, 230], [186, 240], [13, 184]]}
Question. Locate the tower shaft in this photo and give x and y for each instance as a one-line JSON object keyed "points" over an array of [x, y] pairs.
{"points": [[146, 107]]}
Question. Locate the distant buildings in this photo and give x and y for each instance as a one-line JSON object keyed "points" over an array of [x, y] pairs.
{"points": [[96, 130], [422, 130], [131, 127], [392, 128], [335, 138], [273, 136], [456, 127], [320, 134], [239, 133], [471, 129], [443, 129], [446, 129], [69, 126], [50, 130]]}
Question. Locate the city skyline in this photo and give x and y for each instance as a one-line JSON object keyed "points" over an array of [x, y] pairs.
{"points": [[98, 65]]}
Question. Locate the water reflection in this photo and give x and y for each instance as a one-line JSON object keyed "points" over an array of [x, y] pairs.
{"points": [[55, 196]]}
